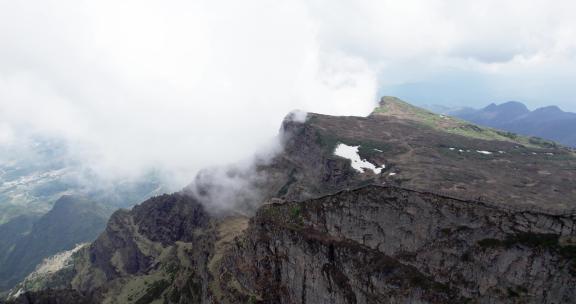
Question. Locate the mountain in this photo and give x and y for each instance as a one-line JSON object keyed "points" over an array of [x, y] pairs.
{"points": [[548, 122], [35, 172], [71, 221], [402, 206]]}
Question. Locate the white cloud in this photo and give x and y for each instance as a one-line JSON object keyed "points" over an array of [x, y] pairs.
{"points": [[176, 84], [501, 48], [188, 84], [487, 31]]}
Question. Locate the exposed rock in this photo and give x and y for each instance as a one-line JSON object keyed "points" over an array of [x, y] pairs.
{"points": [[162, 246], [390, 245]]}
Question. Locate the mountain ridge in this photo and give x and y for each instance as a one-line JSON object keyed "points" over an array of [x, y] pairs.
{"points": [[447, 218]]}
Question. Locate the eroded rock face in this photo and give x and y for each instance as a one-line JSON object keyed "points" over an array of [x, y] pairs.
{"points": [[389, 245], [304, 169], [160, 247], [314, 168]]}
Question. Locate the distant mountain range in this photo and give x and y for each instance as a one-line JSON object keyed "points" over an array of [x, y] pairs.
{"points": [[547, 122]]}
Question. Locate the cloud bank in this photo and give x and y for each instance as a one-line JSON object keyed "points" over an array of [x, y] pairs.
{"points": [[181, 85], [460, 52], [174, 84]]}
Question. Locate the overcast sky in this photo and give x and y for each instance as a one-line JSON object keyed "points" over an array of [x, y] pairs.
{"points": [[184, 84]]}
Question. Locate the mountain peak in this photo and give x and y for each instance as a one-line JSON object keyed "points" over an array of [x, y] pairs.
{"points": [[390, 99], [514, 104], [515, 107], [69, 202], [549, 110], [394, 106]]}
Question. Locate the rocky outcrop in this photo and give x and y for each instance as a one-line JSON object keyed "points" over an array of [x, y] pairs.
{"points": [[305, 168], [161, 247]]}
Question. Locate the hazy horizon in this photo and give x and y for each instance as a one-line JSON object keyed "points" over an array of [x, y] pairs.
{"points": [[425, 101]]}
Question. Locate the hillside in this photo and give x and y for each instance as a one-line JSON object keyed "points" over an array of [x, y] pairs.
{"points": [[436, 152], [72, 220], [402, 206]]}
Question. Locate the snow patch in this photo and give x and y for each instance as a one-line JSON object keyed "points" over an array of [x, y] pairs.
{"points": [[18, 293], [351, 153], [484, 152]]}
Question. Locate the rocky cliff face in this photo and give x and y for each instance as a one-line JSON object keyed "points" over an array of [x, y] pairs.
{"points": [[160, 247], [305, 168], [370, 245], [388, 241], [391, 245]]}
